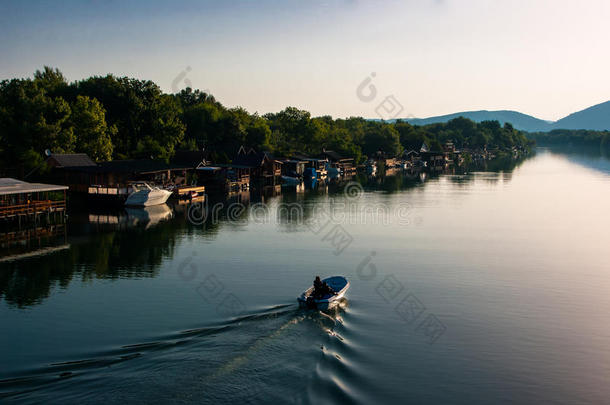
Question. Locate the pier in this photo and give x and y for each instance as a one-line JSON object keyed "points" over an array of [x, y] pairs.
{"points": [[31, 202]]}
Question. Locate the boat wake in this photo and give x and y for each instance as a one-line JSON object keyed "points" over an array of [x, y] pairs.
{"points": [[272, 353]]}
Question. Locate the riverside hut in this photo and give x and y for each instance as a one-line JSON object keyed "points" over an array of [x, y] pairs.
{"points": [[22, 201]]}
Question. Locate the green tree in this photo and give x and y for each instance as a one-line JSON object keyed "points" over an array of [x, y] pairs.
{"points": [[148, 122], [93, 136], [30, 120], [385, 139]]}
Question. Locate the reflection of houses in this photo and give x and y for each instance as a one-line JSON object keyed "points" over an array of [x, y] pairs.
{"points": [[30, 201], [344, 165], [33, 241], [263, 168]]}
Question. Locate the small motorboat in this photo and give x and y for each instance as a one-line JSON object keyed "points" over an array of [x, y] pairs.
{"points": [[339, 284], [144, 195]]}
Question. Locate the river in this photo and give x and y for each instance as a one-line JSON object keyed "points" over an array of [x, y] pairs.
{"points": [[478, 288]]}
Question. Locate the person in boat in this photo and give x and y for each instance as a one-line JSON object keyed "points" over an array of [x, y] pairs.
{"points": [[320, 289]]}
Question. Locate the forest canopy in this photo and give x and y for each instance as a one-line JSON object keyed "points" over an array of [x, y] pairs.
{"points": [[111, 117], [572, 137]]}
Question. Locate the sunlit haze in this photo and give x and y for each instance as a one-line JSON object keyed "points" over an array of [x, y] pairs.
{"points": [[541, 57]]}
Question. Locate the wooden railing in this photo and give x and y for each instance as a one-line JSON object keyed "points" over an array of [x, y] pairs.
{"points": [[34, 207], [103, 190]]}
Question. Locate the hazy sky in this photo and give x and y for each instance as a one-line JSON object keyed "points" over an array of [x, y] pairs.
{"points": [[543, 57]]}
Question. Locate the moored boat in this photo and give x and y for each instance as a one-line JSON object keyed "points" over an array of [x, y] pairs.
{"points": [[145, 195]]}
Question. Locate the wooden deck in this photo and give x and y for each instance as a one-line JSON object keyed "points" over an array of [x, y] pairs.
{"points": [[32, 209], [187, 190], [22, 201]]}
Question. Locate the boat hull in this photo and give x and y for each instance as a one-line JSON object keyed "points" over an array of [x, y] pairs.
{"points": [[146, 198], [337, 283]]}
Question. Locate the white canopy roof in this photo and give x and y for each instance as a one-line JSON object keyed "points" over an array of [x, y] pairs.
{"points": [[14, 186]]}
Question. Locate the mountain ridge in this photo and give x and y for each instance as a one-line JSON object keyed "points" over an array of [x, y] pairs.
{"points": [[596, 117]]}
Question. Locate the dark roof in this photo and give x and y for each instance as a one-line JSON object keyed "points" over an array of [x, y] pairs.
{"points": [[139, 166], [131, 166], [72, 159], [300, 156], [250, 159], [334, 156], [194, 158]]}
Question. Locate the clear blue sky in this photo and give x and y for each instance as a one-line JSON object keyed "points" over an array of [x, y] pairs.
{"points": [[543, 57]]}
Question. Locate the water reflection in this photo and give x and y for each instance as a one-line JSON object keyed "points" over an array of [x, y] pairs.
{"points": [[113, 245], [521, 287], [132, 243], [145, 217], [590, 157]]}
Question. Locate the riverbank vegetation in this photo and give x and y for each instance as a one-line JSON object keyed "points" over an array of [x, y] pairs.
{"points": [[111, 117], [579, 138]]}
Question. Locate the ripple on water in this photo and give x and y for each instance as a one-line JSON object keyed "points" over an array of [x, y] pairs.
{"points": [[263, 350]]}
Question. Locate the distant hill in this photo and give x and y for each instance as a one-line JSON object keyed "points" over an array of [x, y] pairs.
{"points": [[520, 121], [593, 118]]}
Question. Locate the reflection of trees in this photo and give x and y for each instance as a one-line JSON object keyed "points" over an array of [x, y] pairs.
{"points": [[503, 163], [27, 282], [296, 209], [99, 251], [590, 157], [119, 254]]}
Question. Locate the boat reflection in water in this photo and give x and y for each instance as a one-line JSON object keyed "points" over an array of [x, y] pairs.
{"points": [[132, 217], [148, 216]]}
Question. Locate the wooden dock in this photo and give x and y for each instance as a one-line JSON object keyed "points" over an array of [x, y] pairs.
{"points": [[31, 202], [189, 194]]}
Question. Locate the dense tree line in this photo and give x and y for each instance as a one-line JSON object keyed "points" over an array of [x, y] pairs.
{"points": [[119, 117], [570, 137]]}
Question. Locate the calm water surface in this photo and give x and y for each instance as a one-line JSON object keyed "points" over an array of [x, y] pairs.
{"points": [[490, 287]]}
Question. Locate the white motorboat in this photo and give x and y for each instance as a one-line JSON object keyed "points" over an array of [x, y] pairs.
{"points": [[339, 284], [144, 195]]}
